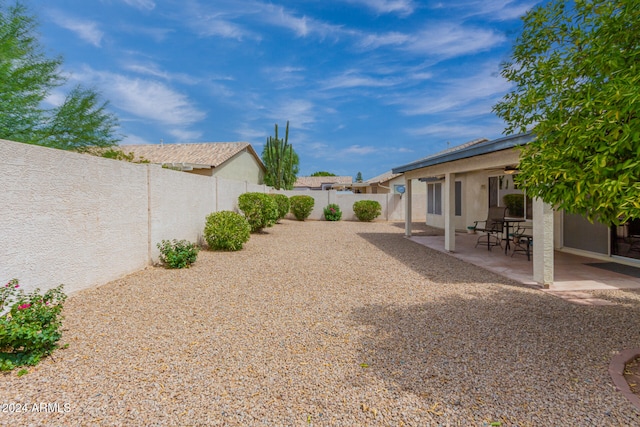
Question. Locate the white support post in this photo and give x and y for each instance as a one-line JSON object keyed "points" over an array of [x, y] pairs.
{"points": [[449, 213], [542, 243], [407, 208]]}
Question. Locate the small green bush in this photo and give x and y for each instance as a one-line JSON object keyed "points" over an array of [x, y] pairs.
{"points": [[515, 204], [226, 231], [31, 328], [177, 253], [367, 210], [301, 206], [259, 209], [283, 204], [332, 212]]}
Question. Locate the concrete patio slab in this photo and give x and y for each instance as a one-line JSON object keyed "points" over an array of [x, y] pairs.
{"points": [[571, 271]]}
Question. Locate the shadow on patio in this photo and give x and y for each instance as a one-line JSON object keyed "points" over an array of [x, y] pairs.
{"points": [[572, 272]]}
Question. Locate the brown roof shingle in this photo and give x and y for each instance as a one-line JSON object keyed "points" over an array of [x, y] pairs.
{"points": [[317, 181], [203, 153]]}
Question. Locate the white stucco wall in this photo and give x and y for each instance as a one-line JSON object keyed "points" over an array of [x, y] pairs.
{"points": [[392, 204], [79, 220], [242, 167], [68, 218], [179, 204], [227, 194]]}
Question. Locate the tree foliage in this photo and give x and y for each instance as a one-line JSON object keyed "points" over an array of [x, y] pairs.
{"points": [[322, 173], [281, 162], [27, 78], [576, 71]]}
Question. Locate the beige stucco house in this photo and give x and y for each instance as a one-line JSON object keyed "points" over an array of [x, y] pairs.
{"points": [[465, 181], [320, 182], [386, 183], [230, 160]]}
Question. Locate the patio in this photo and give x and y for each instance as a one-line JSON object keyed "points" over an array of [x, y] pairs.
{"points": [[571, 271]]}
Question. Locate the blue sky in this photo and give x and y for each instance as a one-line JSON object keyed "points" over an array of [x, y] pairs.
{"points": [[367, 85]]}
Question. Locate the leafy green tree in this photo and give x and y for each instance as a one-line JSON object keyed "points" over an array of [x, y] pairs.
{"points": [[359, 177], [281, 162], [27, 77], [576, 73], [323, 173]]}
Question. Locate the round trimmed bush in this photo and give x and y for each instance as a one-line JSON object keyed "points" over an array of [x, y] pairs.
{"points": [[367, 210], [259, 209], [283, 204], [226, 231], [332, 212], [301, 206]]}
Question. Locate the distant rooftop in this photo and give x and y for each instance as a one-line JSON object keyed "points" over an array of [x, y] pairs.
{"points": [[211, 154], [318, 181]]}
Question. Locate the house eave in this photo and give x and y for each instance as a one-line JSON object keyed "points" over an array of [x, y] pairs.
{"points": [[499, 144]]}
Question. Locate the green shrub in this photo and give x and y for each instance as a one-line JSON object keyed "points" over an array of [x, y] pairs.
{"points": [[301, 206], [332, 212], [226, 231], [31, 328], [367, 210], [515, 204], [177, 254], [283, 204], [259, 209]]}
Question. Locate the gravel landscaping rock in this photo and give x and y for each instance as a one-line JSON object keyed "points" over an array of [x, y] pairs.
{"points": [[329, 324]]}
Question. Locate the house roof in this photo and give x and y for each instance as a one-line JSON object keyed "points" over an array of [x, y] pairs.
{"points": [[387, 176], [466, 150], [205, 154], [318, 181]]}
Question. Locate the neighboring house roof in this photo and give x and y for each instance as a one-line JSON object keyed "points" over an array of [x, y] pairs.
{"points": [[469, 149], [203, 154], [385, 177], [318, 181]]}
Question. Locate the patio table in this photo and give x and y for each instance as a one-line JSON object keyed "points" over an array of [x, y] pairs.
{"points": [[506, 225]]}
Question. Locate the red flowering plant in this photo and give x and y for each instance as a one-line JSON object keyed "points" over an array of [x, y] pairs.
{"points": [[29, 324], [332, 212]]}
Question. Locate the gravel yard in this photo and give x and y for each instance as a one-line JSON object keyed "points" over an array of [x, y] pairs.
{"points": [[330, 324]]}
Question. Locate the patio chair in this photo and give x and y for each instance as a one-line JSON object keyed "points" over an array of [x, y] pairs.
{"points": [[522, 241], [491, 227]]}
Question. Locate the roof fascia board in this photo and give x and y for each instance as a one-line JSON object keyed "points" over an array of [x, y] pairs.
{"points": [[475, 150]]}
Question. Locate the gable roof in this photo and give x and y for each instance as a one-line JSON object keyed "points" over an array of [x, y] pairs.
{"points": [[466, 150], [318, 181], [203, 154], [385, 177]]}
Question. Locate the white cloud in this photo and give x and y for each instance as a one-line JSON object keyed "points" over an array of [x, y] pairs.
{"points": [[147, 100], [154, 70], [497, 10], [86, 30], [141, 4], [352, 78], [452, 39], [360, 150], [443, 131], [130, 139], [183, 135], [152, 100], [56, 98], [374, 41], [402, 7], [299, 112], [301, 26], [469, 95]]}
